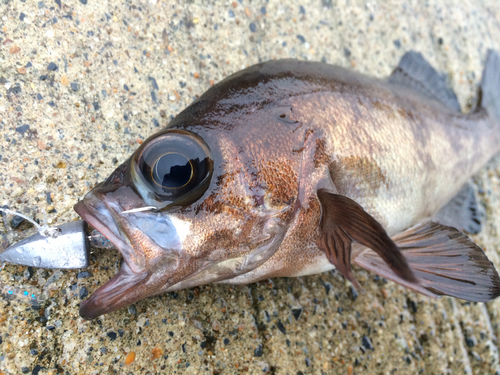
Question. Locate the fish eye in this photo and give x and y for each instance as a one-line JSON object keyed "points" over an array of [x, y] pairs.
{"points": [[173, 167]]}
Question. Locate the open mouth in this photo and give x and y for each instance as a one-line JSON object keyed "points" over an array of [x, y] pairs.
{"points": [[150, 245], [99, 217], [86, 215], [120, 290]]}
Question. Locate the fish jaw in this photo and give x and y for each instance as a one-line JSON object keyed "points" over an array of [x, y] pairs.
{"points": [[118, 292]]}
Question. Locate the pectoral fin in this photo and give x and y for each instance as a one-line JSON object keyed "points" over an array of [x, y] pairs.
{"points": [[343, 221], [445, 262]]}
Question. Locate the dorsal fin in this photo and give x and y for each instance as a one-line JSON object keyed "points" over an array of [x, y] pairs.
{"points": [[416, 73]]}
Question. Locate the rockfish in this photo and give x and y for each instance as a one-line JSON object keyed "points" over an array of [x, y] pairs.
{"points": [[291, 168]]}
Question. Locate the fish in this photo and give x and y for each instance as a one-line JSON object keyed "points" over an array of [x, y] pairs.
{"points": [[290, 168]]}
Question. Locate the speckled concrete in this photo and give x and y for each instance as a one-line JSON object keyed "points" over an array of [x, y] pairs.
{"points": [[82, 83]]}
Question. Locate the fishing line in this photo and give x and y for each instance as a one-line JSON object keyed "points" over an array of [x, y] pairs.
{"points": [[44, 229]]}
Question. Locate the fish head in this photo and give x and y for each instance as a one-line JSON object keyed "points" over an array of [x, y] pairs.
{"points": [[185, 210]]}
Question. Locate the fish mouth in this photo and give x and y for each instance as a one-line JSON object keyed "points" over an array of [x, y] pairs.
{"points": [[115, 291], [133, 281], [103, 228], [104, 214]]}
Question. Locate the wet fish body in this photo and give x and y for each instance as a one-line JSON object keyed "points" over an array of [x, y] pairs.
{"points": [[290, 168]]}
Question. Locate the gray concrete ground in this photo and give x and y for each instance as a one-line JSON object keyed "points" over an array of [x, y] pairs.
{"points": [[82, 83]]}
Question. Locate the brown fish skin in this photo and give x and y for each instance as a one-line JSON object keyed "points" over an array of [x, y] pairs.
{"points": [[396, 153], [277, 132]]}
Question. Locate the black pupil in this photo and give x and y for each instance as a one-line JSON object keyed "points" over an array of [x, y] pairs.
{"points": [[172, 171]]}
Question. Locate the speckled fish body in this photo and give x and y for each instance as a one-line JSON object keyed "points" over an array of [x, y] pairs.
{"points": [[274, 135]]}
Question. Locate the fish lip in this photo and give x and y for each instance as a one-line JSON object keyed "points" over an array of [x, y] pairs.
{"points": [[91, 218]]}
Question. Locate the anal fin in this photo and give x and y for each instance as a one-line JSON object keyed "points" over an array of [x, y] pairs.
{"points": [[463, 211], [344, 221], [445, 262]]}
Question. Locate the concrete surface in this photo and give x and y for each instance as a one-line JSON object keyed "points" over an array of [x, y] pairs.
{"points": [[123, 68]]}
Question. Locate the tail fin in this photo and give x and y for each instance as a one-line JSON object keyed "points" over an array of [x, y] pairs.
{"points": [[490, 85], [445, 262]]}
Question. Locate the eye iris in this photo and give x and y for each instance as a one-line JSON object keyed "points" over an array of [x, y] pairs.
{"points": [[172, 171]]}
